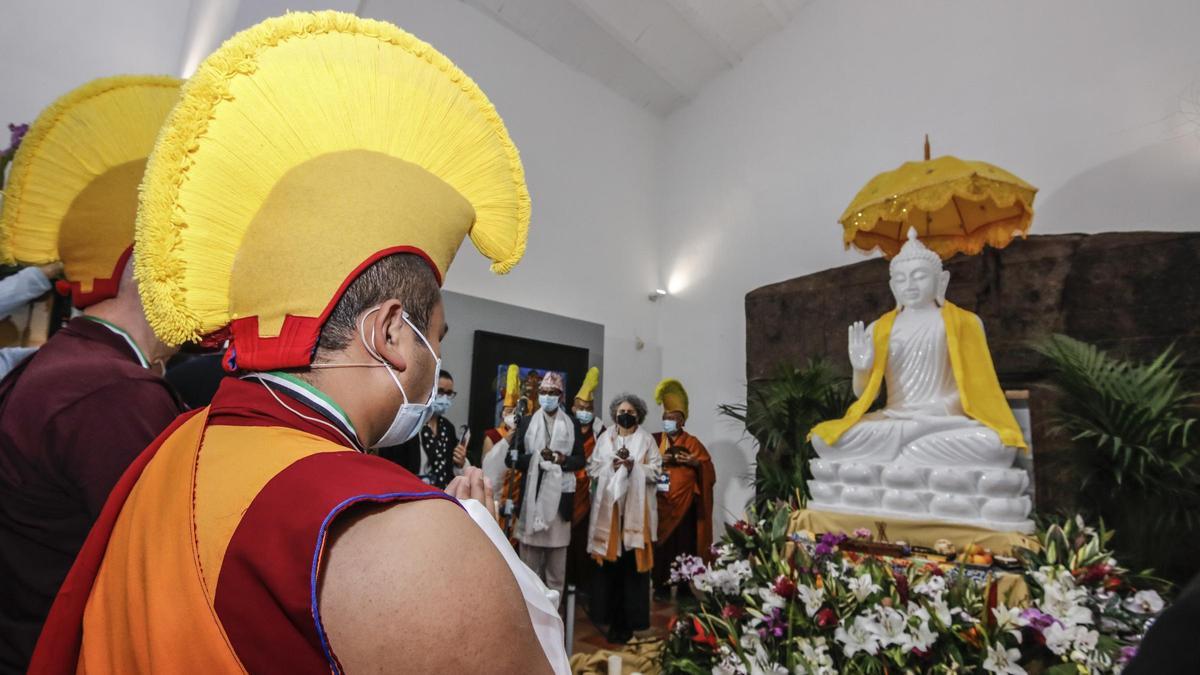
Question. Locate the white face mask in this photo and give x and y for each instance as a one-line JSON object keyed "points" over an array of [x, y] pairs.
{"points": [[410, 416], [510, 421]]}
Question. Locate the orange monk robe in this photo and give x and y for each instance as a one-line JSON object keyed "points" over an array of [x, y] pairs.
{"points": [[691, 487], [583, 483]]}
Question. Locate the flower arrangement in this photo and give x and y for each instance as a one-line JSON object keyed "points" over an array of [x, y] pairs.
{"points": [[774, 602]]}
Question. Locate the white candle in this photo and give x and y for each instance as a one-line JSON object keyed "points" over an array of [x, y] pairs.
{"points": [[614, 664]]}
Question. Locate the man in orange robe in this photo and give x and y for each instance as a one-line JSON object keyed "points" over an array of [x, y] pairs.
{"points": [[310, 234], [685, 507], [579, 565]]}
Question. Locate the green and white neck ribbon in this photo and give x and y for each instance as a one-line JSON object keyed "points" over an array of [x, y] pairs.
{"points": [[124, 335]]}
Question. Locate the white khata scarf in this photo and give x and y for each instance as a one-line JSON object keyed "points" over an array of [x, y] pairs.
{"points": [[541, 498], [632, 489]]}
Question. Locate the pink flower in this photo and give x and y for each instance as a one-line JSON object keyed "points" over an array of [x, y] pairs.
{"points": [[862, 533]]}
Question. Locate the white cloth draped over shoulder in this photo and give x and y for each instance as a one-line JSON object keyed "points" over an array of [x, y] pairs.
{"points": [[540, 602], [493, 465], [633, 490], [539, 524]]}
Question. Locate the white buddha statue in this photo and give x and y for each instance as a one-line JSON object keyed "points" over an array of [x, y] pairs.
{"points": [[943, 446]]}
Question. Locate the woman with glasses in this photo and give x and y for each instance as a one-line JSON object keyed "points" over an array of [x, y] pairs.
{"points": [[436, 454]]}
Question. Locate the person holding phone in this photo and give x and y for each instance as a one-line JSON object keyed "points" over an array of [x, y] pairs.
{"points": [[436, 454]]}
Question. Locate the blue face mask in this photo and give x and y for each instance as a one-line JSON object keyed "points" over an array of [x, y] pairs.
{"points": [[441, 404], [548, 402], [671, 427], [584, 416]]}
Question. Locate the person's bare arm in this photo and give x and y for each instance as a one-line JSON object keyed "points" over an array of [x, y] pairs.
{"points": [[418, 588]]}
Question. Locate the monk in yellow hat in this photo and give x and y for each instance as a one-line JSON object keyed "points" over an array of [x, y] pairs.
{"points": [[304, 203], [584, 409], [496, 446], [685, 502], [78, 411]]}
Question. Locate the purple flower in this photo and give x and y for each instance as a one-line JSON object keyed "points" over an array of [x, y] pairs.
{"points": [[828, 542], [18, 133], [832, 539], [862, 533], [776, 625], [1038, 620], [1127, 653]]}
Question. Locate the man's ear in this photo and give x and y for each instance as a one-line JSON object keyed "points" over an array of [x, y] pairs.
{"points": [[389, 329]]}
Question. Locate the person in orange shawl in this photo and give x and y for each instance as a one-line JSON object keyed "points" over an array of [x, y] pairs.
{"points": [[304, 201], [685, 507]]}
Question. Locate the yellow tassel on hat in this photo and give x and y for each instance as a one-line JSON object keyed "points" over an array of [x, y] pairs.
{"points": [[303, 149], [72, 189], [671, 395], [590, 382], [512, 386]]}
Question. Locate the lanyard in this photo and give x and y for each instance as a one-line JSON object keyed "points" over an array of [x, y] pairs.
{"points": [[316, 400], [125, 336]]}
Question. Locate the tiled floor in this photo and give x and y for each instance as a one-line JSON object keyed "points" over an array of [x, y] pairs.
{"points": [[588, 638]]}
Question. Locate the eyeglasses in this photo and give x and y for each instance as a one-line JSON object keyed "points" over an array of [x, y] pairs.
{"points": [[448, 393]]}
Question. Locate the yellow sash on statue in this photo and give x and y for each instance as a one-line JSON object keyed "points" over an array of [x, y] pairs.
{"points": [[978, 388]]}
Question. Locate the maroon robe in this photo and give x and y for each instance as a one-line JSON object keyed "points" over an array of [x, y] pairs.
{"points": [[72, 418]]}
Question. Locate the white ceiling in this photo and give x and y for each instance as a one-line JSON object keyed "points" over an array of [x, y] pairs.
{"points": [[657, 53]]}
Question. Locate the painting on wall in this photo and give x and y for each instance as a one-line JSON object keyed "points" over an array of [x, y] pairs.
{"points": [[490, 359]]}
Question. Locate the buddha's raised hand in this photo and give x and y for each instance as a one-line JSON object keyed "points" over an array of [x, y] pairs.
{"points": [[862, 351]]}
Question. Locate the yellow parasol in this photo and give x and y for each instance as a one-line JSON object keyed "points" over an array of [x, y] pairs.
{"points": [[956, 206]]}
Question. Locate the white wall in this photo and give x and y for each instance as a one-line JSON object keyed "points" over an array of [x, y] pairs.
{"points": [[590, 156], [1079, 97], [49, 47], [590, 161]]}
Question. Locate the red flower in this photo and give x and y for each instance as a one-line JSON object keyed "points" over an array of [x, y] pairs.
{"points": [[745, 528], [901, 586], [826, 618], [1113, 583], [1092, 574], [701, 637], [732, 612], [784, 587]]}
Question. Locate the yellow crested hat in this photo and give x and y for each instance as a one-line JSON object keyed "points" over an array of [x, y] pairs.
{"points": [[512, 386], [671, 395], [72, 189], [590, 382], [302, 151]]}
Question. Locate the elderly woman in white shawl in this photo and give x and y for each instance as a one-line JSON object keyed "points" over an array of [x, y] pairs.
{"points": [[624, 520]]}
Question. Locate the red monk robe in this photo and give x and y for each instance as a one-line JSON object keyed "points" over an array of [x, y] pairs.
{"points": [[206, 557], [685, 512], [72, 418]]}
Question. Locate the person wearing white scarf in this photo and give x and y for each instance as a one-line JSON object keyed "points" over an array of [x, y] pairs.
{"points": [[553, 452], [624, 519]]}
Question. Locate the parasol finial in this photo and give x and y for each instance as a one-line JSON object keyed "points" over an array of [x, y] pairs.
{"points": [[926, 147]]}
